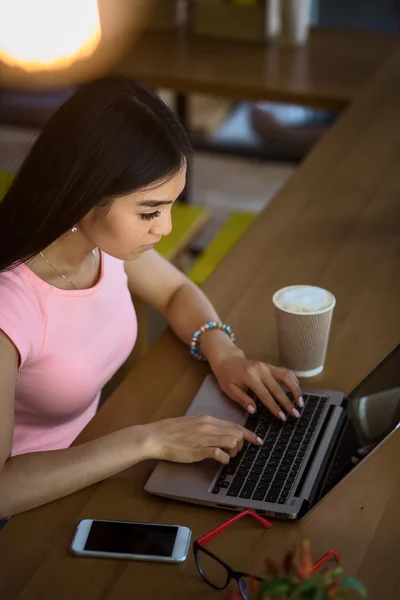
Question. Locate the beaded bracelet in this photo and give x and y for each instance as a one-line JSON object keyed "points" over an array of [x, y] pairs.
{"points": [[195, 343]]}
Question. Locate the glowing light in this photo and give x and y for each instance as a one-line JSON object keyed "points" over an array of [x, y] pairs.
{"points": [[48, 34]]}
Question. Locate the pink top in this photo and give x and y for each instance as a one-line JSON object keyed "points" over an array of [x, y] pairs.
{"points": [[70, 343]]}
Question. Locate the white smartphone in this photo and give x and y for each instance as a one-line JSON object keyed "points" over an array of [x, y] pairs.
{"points": [[130, 540]]}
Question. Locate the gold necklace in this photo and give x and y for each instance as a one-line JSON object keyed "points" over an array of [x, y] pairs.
{"points": [[60, 274]]}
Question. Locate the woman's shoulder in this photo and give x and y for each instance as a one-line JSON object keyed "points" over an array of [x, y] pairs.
{"points": [[15, 288], [22, 312]]}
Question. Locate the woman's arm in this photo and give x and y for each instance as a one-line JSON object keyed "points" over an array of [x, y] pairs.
{"points": [[29, 480], [184, 305], [187, 308], [32, 479]]}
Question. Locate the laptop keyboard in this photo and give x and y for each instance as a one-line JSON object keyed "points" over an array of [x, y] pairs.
{"points": [[267, 473]]}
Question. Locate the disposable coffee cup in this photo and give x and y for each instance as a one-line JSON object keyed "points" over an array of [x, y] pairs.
{"points": [[303, 319]]}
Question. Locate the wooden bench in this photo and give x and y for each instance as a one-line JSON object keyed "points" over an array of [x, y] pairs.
{"points": [[5, 181], [230, 233]]}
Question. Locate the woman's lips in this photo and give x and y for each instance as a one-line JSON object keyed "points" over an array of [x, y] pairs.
{"points": [[148, 246]]}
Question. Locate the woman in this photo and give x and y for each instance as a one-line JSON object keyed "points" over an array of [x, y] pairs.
{"points": [[77, 232]]}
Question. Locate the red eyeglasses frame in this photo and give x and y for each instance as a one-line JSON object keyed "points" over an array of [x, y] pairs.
{"points": [[211, 535]]}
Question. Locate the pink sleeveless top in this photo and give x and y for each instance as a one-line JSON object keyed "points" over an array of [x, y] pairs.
{"points": [[70, 344]]}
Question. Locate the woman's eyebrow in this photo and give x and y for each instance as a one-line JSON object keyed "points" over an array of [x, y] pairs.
{"points": [[154, 203]]}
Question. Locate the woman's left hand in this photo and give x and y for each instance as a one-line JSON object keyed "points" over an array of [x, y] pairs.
{"points": [[236, 374]]}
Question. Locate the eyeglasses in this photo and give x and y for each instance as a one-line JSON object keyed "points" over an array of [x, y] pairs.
{"points": [[219, 575], [214, 570]]}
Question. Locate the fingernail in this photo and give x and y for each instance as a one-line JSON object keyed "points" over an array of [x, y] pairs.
{"points": [[282, 416], [251, 409], [259, 440], [301, 402], [295, 413]]}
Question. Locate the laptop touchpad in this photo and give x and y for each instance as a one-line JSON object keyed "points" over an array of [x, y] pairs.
{"points": [[210, 400], [226, 413]]}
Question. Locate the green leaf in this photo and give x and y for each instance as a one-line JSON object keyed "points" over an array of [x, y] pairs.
{"points": [[303, 594], [330, 577], [310, 584], [305, 590], [320, 594], [350, 583], [277, 588], [336, 572], [269, 584]]}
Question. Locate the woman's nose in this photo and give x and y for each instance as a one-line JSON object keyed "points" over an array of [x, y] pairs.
{"points": [[163, 225]]}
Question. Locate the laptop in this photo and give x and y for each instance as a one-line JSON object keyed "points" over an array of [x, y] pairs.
{"points": [[301, 460]]}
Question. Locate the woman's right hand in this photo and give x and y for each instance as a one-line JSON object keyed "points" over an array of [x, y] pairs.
{"points": [[191, 439]]}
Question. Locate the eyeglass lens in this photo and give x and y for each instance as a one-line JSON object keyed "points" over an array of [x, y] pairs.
{"points": [[212, 570], [248, 587]]}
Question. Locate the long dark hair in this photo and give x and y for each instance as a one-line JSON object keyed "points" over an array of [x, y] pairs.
{"points": [[111, 137]]}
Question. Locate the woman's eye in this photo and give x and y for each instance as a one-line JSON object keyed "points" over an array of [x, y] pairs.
{"points": [[150, 216]]}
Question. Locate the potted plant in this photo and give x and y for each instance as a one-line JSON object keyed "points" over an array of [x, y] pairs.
{"points": [[295, 579]]}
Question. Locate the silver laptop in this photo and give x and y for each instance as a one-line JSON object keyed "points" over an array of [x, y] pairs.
{"points": [[301, 460]]}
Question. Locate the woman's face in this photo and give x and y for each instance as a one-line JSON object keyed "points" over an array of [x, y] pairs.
{"points": [[136, 222]]}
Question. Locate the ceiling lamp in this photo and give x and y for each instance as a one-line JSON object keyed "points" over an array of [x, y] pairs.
{"points": [[46, 43], [47, 34]]}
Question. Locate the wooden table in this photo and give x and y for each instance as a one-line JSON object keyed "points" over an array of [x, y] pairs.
{"points": [[328, 72], [335, 224]]}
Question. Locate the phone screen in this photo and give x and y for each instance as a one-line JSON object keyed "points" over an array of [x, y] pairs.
{"points": [[131, 538]]}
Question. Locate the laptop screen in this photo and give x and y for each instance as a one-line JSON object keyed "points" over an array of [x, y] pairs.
{"points": [[374, 404], [373, 410]]}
